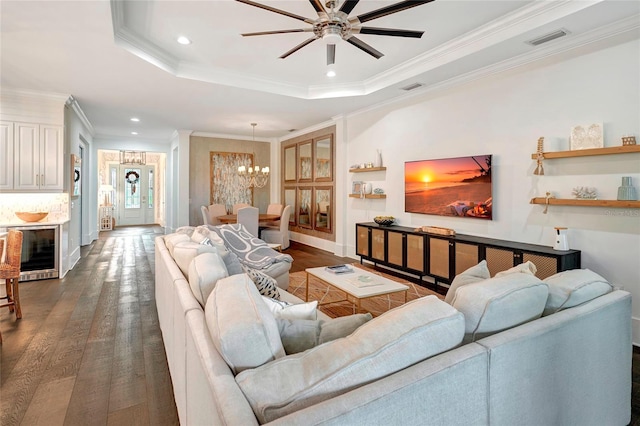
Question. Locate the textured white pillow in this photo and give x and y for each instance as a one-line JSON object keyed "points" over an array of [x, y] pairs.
{"points": [[574, 287], [172, 239], [500, 303], [204, 272], [389, 343], [472, 275], [242, 328], [298, 335], [184, 252], [286, 310], [523, 268]]}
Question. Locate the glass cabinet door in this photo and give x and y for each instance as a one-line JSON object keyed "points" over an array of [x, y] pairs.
{"points": [[290, 200], [304, 208], [290, 164]]}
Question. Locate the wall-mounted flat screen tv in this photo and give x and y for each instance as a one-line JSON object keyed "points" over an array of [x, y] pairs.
{"points": [[458, 186]]}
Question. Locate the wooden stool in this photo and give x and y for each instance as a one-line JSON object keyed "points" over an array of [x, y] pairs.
{"points": [[10, 271]]}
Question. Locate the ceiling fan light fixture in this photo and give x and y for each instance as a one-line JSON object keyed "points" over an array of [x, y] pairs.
{"points": [[331, 35]]}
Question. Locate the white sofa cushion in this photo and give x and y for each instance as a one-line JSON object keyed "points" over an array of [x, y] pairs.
{"points": [[184, 253], [522, 268], [500, 303], [574, 287], [242, 328], [472, 275], [172, 239], [292, 311], [391, 342], [298, 335], [204, 272]]}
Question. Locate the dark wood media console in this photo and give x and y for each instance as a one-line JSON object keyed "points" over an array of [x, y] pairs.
{"points": [[443, 257]]}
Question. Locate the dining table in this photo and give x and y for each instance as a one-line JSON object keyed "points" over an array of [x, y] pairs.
{"points": [[262, 218]]}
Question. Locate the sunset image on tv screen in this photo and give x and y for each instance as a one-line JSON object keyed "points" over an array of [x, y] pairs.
{"points": [[449, 187]]}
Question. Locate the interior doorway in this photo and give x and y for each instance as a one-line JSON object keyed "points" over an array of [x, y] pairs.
{"points": [[135, 194]]}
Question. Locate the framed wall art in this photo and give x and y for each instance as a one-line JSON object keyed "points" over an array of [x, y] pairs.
{"points": [[225, 184]]}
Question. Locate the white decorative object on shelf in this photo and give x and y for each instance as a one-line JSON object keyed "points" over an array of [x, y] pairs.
{"points": [[587, 137], [626, 191], [378, 161], [367, 188], [585, 193], [378, 191]]}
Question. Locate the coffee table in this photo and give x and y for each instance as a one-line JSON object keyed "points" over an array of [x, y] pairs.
{"points": [[359, 284]]}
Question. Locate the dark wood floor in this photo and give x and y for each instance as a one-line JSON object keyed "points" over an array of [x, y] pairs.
{"points": [[88, 350]]}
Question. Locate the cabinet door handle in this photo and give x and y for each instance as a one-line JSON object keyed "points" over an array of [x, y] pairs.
{"points": [[37, 180]]}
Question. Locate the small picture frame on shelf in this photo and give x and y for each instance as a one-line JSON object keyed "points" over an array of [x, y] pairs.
{"points": [[357, 186], [587, 137]]}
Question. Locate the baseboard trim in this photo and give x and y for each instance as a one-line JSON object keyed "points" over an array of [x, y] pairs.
{"points": [[635, 331]]}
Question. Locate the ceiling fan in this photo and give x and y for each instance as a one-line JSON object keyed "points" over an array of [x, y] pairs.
{"points": [[334, 25]]}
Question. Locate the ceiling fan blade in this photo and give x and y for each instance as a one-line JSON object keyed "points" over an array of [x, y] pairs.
{"points": [[364, 47], [388, 10], [298, 47], [331, 54], [348, 6], [391, 32], [317, 5], [273, 9], [298, 30]]}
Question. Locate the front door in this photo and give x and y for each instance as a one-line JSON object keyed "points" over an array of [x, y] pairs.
{"points": [[136, 203]]}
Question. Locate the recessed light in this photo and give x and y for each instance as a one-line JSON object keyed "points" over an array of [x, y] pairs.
{"points": [[184, 40], [136, 119], [134, 133], [331, 72]]}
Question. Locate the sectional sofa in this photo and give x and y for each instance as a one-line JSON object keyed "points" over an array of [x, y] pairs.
{"points": [[425, 363]]}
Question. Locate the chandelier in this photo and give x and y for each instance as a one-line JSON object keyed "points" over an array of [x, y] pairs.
{"points": [[133, 157], [253, 177]]}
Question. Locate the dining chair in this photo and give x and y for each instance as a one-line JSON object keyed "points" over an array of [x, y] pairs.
{"points": [[279, 235], [210, 213], [272, 209], [239, 206], [10, 271], [248, 217]]}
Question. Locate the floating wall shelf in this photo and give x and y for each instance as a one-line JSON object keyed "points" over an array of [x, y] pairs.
{"points": [[368, 196], [623, 149], [367, 169], [587, 203]]}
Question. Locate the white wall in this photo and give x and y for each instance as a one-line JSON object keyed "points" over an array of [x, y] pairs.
{"points": [[504, 115]]}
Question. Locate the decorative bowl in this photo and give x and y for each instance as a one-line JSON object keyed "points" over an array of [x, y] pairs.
{"points": [[31, 216], [384, 220]]}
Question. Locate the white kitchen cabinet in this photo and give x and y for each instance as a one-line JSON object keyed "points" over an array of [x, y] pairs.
{"points": [[38, 163], [6, 155]]}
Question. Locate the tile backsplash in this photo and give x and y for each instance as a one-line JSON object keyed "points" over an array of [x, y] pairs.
{"points": [[56, 204]]}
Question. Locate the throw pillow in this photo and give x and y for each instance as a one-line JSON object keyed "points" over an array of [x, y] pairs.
{"points": [[500, 303], [204, 272], [298, 335], [203, 235], [286, 310], [243, 330], [389, 343], [523, 268], [266, 285], [472, 275], [574, 287]]}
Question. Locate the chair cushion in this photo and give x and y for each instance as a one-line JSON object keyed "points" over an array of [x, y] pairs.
{"points": [[242, 328], [391, 342], [184, 252], [204, 272], [298, 335], [291, 311], [574, 287], [472, 275], [500, 303]]}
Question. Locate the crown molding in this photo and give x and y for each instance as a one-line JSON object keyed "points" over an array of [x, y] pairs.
{"points": [[32, 94], [75, 106]]}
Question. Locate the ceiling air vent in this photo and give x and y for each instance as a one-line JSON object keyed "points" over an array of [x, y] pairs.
{"points": [[411, 86], [548, 37]]}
